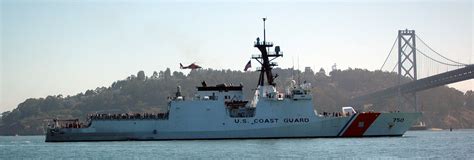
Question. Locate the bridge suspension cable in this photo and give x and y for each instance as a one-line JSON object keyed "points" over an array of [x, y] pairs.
{"points": [[394, 67], [459, 64], [456, 65], [393, 46]]}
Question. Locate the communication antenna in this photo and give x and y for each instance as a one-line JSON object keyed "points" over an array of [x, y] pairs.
{"points": [[264, 34]]}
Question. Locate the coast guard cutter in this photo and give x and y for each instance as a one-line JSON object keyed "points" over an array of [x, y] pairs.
{"points": [[220, 112]]}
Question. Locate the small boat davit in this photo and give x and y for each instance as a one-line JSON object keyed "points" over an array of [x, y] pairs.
{"points": [[220, 112]]}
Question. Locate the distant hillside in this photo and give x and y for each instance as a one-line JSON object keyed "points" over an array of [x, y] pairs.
{"points": [[443, 107]]}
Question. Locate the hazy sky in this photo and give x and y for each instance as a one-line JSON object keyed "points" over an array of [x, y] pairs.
{"points": [[67, 47]]}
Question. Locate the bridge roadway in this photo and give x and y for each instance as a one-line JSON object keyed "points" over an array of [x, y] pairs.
{"points": [[453, 76]]}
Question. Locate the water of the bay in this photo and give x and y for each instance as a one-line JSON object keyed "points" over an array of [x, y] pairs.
{"points": [[457, 144]]}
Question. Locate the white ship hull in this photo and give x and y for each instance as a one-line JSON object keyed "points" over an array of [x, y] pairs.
{"points": [[375, 124]]}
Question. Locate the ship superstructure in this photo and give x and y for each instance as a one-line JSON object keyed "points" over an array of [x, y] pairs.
{"points": [[221, 112]]}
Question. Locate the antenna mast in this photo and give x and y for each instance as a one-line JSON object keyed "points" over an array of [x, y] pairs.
{"points": [[263, 58], [264, 34]]}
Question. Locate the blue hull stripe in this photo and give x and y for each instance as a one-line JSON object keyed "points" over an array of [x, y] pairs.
{"points": [[347, 124]]}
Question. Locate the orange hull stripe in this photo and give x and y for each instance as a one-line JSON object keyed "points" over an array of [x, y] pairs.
{"points": [[360, 124]]}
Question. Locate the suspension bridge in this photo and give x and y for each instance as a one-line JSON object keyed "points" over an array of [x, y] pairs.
{"points": [[408, 65]]}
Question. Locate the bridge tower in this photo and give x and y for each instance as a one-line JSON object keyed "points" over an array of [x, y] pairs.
{"points": [[407, 64]]}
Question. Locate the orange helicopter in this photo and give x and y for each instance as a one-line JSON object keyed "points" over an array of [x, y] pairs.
{"points": [[191, 66]]}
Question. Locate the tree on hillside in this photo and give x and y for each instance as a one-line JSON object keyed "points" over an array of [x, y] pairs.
{"points": [[141, 76], [155, 75], [167, 74]]}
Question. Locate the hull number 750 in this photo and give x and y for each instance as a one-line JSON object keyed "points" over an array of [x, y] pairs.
{"points": [[398, 119]]}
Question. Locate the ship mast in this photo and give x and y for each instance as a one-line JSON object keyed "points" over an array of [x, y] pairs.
{"points": [[263, 59]]}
